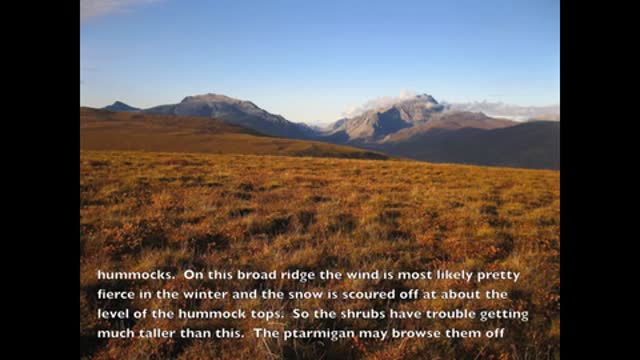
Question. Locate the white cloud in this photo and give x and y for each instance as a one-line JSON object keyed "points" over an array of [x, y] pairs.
{"points": [[378, 103], [492, 109], [513, 112], [94, 8]]}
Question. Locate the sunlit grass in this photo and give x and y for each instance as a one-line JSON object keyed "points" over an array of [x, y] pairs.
{"points": [[145, 211]]}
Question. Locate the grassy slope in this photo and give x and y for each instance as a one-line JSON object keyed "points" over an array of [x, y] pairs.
{"points": [[104, 130], [144, 211], [534, 145]]}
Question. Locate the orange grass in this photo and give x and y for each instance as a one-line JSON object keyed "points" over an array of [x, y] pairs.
{"points": [[146, 211]]}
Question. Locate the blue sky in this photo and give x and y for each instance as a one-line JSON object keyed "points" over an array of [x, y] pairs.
{"points": [[311, 61]]}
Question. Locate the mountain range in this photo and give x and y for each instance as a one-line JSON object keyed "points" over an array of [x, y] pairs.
{"points": [[405, 119], [417, 127]]}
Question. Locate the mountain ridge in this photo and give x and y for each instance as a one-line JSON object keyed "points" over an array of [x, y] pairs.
{"points": [[234, 111], [416, 127], [533, 145], [410, 115], [102, 129]]}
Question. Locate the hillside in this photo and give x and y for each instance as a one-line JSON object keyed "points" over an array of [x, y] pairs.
{"points": [[422, 129], [534, 145], [105, 130], [148, 211], [448, 121]]}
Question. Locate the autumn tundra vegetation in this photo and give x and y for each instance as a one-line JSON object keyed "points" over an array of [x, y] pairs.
{"points": [[153, 211]]}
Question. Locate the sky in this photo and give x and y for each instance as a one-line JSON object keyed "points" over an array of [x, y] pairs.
{"points": [[315, 61]]}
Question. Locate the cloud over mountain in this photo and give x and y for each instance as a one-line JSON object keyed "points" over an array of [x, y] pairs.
{"points": [[379, 102], [507, 111], [492, 109]]}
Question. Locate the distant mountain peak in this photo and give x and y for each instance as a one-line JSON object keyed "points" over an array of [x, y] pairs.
{"points": [[386, 116], [120, 106], [234, 111], [424, 102], [210, 97], [426, 97]]}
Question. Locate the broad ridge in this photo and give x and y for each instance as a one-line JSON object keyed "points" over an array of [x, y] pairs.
{"points": [[106, 130]]}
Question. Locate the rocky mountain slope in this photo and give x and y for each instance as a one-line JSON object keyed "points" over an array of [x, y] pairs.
{"points": [[234, 111]]}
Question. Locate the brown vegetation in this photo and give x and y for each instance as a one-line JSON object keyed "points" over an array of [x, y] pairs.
{"points": [[146, 211]]}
